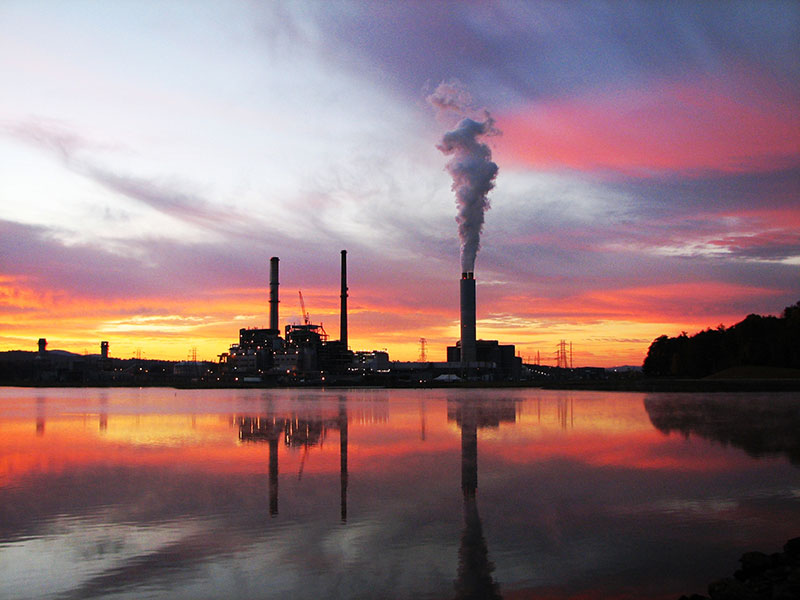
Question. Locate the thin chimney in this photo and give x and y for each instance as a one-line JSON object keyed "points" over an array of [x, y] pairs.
{"points": [[343, 310], [273, 293]]}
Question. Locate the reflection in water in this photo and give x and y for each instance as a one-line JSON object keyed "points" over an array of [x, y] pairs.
{"points": [[475, 579], [103, 411], [41, 413], [422, 420], [566, 415], [343, 457], [266, 429], [166, 503], [41, 409], [758, 428], [273, 475], [306, 432]]}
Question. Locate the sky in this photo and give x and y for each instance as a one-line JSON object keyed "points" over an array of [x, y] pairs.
{"points": [[155, 155]]}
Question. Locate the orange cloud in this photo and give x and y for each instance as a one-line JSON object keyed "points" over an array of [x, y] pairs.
{"points": [[608, 326], [614, 326]]}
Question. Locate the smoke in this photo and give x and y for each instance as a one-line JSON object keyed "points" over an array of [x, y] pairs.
{"points": [[471, 166], [451, 95]]}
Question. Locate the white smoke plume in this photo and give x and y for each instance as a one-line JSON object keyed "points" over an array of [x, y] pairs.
{"points": [[471, 166]]}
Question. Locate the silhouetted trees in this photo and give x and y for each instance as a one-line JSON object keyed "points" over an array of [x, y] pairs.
{"points": [[755, 341]]}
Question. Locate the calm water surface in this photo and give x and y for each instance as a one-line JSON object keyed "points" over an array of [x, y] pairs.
{"points": [[158, 493]]}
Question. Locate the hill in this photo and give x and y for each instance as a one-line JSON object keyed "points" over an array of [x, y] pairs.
{"points": [[757, 342]]}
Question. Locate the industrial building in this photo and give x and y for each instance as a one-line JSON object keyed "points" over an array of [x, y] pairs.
{"points": [[504, 363], [486, 360], [300, 354], [304, 355]]}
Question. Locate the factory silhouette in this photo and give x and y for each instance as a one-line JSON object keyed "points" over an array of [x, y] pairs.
{"points": [[306, 354], [301, 354]]}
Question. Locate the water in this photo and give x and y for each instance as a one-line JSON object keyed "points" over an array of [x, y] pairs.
{"points": [[161, 493]]}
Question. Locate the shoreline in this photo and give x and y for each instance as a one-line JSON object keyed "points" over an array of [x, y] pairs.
{"points": [[626, 385], [681, 385]]}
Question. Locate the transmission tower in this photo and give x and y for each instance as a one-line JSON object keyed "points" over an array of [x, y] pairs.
{"points": [[561, 355], [423, 353], [564, 360]]}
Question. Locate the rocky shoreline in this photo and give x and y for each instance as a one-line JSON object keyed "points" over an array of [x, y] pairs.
{"points": [[761, 577]]}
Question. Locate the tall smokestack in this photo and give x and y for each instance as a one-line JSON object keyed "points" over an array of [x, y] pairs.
{"points": [[273, 292], [473, 174], [343, 309], [468, 352]]}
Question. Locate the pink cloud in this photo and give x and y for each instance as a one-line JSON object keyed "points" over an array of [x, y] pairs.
{"points": [[673, 126]]}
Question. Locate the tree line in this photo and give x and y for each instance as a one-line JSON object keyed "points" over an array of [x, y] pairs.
{"points": [[756, 341]]}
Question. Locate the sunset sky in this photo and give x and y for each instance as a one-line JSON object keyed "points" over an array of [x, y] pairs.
{"points": [[155, 155]]}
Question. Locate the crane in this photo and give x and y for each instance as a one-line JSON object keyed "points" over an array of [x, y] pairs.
{"points": [[306, 318]]}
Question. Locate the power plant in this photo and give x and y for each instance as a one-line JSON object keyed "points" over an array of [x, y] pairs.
{"points": [[473, 174], [305, 354], [479, 359]]}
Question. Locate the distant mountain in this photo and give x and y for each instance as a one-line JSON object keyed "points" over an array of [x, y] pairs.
{"points": [[32, 354], [66, 354]]}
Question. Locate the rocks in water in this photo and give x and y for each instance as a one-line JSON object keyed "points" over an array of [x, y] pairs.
{"points": [[792, 548], [761, 577]]}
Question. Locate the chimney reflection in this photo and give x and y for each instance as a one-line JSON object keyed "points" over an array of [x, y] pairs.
{"points": [[297, 431], [266, 429], [273, 476], [40, 415], [469, 452], [343, 458], [422, 420], [475, 570], [103, 411]]}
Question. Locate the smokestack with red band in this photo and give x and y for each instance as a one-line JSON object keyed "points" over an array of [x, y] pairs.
{"points": [[343, 310], [468, 353], [273, 293]]}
